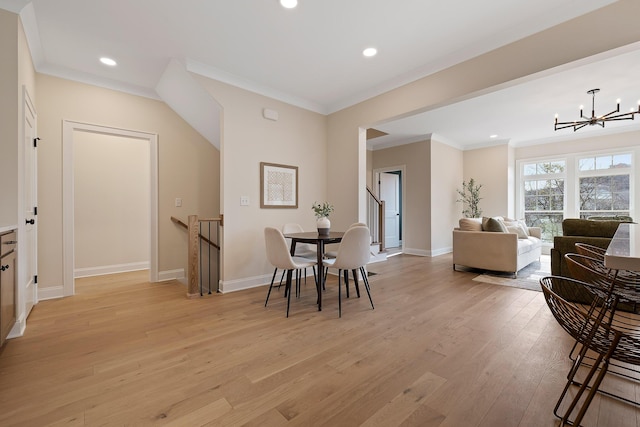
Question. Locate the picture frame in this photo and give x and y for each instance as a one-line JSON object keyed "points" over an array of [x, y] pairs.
{"points": [[278, 186]]}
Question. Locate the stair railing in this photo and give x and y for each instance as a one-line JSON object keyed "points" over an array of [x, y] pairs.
{"points": [[203, 266], [375, 219]]}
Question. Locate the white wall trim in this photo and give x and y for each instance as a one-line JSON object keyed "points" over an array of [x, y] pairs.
{"points": [[68, 127], [442, 251], [110, 269], [50, 292], [418, 252], [177, 274], [251, 282]]}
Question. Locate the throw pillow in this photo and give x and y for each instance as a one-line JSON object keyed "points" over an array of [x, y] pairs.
{"points": [[493, 225], [524, 226], [517, 229], [470, 224]]}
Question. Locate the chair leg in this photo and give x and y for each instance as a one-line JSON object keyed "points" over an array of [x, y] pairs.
{"points": [[281, 277], [288, 292], [346, 281], [339, 293], [355, 281], [365, 280], [270, 286]]}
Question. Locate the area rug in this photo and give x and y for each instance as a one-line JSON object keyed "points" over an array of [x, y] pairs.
{"points": [[528, 277]]}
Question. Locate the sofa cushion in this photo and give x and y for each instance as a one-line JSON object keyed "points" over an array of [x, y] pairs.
{"points": [[529, 244], [470, 224], [589, 228], [493, 225]]}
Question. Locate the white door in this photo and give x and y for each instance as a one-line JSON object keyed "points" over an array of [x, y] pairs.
{"points": [[30, 236], [390, 193]]}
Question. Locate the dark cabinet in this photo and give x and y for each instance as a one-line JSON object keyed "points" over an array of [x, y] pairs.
{"points": [[7, 284]]}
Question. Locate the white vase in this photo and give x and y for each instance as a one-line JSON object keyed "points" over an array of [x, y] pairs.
{"points": [[323, 226]]}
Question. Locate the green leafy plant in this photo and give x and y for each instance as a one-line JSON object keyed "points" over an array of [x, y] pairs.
{"points": [[322, 210], [470, 197]]}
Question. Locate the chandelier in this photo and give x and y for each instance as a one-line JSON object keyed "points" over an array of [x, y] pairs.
{"points": [[595, 120]]}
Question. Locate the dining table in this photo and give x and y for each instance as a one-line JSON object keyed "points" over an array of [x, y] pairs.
{"points": [[320, 240], [623, 252]]}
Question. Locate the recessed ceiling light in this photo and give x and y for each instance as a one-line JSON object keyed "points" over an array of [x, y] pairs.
{"points": [[370, 51], [289, 4], [493, 136], [108, 61]]}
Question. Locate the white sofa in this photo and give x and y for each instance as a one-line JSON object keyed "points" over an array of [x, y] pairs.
{"points": [[502, 251]]}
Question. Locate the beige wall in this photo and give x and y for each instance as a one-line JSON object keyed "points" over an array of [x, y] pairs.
{"points": [[433, 171], [10, 102], [560, 45], [581, 145], [297, 138], [188, 165], [490, 167], [446, 172], [414, 159], [111, 197]]}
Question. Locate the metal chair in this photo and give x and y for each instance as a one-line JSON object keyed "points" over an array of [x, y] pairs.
{"points": [[601, 331], [279, 256], [353, 254], [593, 271], [590, 250]]}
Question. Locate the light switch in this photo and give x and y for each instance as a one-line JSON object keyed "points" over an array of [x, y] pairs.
{"points": [[244, 200], [178, 202]]}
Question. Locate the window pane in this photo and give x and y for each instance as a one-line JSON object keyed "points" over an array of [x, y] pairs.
{"points": [[587, 164], [530, 169], [550, 223], [622, 160], [603, 162], [604, 194]]}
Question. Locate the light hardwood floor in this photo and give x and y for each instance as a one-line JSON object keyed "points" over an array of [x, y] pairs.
{"points": [[438, 350]]}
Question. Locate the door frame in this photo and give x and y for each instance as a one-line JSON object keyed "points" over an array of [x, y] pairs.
{"points": [[68, 199], [403, 186]]}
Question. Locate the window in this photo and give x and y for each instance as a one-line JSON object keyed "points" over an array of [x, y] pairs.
{"points": [[585, 186], [603, 183], [544, 201]]}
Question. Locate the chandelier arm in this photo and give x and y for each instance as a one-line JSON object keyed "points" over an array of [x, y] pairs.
{"points": [[583, 124], [614, 115], [565, 125], [621, 117]]}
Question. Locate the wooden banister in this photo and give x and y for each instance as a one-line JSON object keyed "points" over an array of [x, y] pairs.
{"points": [[380, 216], [193, 248], [182, 224]]}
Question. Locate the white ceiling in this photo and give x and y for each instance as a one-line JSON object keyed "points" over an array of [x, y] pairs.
{"points": [[310, 56]]}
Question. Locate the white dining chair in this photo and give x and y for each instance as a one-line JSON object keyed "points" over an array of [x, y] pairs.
{"points": [[279, 256], [303, 250], [353, 254], [333, 254]]}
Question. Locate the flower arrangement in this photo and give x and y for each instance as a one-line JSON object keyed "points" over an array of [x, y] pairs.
{"points": [[322, 210]]}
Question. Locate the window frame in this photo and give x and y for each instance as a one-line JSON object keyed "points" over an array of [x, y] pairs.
{"points": [[572, 182]]}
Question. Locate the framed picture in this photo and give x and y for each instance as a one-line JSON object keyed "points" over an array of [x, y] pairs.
{"points": [[278, 186]]}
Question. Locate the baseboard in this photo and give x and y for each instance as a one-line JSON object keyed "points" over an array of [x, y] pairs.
{"points": [[177, 274], [110, 269], [252, 282], [18, 328], [417, 252], [51, 292], [441, 251]]}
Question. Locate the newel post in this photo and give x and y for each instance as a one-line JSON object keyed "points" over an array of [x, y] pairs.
{"points": [[193, 273]]}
